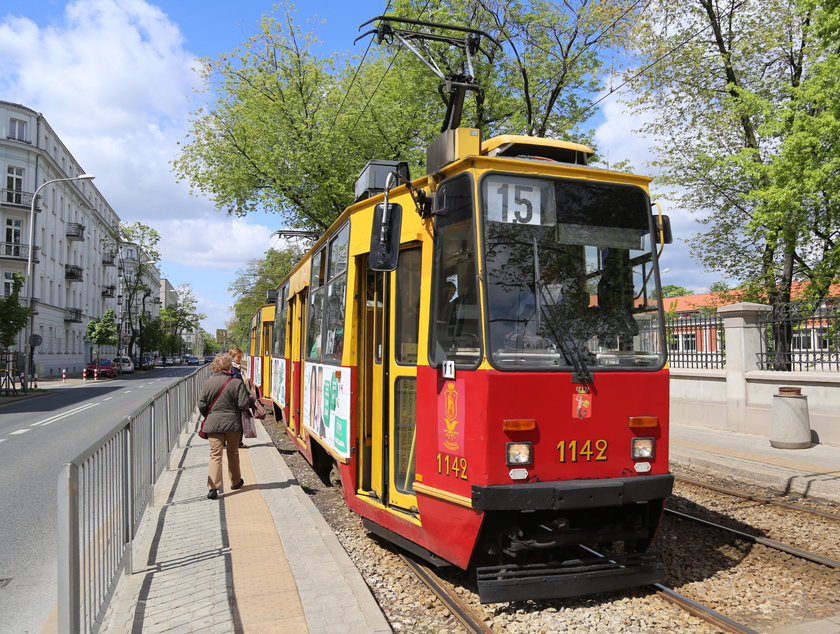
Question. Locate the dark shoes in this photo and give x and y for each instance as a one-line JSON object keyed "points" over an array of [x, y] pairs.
{"points": [[212, 494], [238, 485], [242, 445]]}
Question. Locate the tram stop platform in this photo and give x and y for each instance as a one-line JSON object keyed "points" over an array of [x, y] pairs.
{"points": [[813, 472], [260, 559]]}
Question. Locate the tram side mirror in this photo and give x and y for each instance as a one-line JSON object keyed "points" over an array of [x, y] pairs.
{"points": [[663, 230], [385, 237]]}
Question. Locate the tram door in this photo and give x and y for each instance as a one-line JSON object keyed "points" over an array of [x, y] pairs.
{"points": [[295, 370], [388, 381]]}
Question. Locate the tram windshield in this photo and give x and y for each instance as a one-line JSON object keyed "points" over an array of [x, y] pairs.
{"points": [[569, 275]]}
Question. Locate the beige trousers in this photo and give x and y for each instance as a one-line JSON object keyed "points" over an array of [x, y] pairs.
{"points": [[217, 445]]}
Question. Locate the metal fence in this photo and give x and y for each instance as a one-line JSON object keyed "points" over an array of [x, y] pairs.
{"points": [[695, 340], [801, 336], [102, 495]]}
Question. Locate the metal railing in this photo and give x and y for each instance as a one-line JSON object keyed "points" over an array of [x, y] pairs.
{"points": [[18, 251], [695, 341], [801, 336], [102, 495]]}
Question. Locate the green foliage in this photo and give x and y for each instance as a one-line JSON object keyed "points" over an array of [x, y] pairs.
{"points": [[138, 255], [746, 110], [251, 285], [290, 132], [671, 290], [102, 331], [13, 316]]}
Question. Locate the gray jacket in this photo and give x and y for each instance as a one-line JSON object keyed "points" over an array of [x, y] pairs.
{"points": [[226, 415]]}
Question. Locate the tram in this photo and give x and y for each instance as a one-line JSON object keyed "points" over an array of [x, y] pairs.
{"points": [[257, 357], [477, 356]]}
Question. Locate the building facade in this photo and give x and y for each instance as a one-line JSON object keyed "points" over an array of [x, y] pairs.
{"points": [[74, 248]]}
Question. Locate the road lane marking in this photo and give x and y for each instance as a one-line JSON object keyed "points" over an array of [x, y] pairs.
{"points": [[108, 398], [19, 431], [2, 440], [52, 419]]}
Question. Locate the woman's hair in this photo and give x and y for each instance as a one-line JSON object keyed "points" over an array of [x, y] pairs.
{"points": [[222, 362], [235, 351]]}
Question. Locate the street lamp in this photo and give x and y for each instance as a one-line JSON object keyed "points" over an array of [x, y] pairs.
{"points": [[29, 281]]}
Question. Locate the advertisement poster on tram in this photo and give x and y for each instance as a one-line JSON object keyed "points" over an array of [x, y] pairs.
{"points": [[278, 381], [326, 411]]}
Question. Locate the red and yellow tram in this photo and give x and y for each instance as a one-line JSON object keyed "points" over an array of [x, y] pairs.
{"points": [[478, 356]]}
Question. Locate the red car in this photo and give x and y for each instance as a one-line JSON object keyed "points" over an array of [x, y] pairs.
{"points": [[105, 368]]}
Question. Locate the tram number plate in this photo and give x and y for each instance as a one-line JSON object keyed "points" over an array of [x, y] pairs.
{"points": [[452, 466], [580, 451]]}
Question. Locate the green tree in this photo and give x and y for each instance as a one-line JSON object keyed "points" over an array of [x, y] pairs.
{"points": [[179, 318], [251, 285], [102, 331], [13, 316], [138, 255], [671, 290], [290, 132], [744, 106]]}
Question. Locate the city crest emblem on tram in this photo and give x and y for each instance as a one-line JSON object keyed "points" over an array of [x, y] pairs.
{"points": [[450, 415]]}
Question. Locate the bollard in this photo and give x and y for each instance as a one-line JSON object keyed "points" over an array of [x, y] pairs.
{"points": [[790, 427], [36, 382], [64, 375], [96, 374], [84, 375]]}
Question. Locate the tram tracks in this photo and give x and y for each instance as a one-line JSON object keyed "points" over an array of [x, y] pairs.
{"points": [[470, 619]]}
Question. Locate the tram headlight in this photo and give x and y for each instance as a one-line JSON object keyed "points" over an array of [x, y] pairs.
{"points": [[643, 448], [518, 453]]}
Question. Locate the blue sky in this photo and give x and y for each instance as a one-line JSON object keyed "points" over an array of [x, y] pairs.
{"points": [[114, 79]]}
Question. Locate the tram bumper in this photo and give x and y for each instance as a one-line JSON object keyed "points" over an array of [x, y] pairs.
{"points": [[571, 494], [570, 578]]}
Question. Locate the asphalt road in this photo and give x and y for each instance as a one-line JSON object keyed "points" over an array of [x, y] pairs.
{"points": [[37, 437]]}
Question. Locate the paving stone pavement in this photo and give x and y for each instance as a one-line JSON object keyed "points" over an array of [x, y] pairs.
{"points": [[261, 559]]}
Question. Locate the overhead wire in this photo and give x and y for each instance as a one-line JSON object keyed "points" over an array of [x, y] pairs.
{"points": [[381, 79]]}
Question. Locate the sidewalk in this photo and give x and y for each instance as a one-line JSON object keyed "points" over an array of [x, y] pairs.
{"points": [[260, 559], [811, 473]]}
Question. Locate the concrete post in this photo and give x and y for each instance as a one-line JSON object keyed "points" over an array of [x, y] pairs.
{"points": [[743, 343]]}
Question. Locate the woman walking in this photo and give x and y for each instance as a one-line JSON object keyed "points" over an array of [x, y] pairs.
{"points": [[221, 401]]}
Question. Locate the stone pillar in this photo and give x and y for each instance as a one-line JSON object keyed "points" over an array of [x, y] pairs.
{"points": [[743, 343]]}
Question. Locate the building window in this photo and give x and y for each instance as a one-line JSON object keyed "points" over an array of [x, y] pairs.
{"points": [[12, 237], [8, 283], [14, 185], [17, 129]]}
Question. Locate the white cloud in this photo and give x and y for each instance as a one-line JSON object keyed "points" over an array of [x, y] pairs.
{"points": [[113, 78], [221, 243]]}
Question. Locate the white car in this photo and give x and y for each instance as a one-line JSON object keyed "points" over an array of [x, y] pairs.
{"points": [[124, 364]]}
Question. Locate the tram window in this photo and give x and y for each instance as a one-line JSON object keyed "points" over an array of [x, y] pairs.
{"points": [[405, 410], [408, 306], [313, 334], [456, 327], [328, 286], [281, 312]]}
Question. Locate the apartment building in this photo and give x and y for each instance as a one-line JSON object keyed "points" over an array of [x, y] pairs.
{"points": [[75, 253]]}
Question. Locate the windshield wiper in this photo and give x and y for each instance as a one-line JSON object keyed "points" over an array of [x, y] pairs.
{"points": [[569, 346]]}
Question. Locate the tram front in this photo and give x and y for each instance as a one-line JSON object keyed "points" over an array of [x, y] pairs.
{"points": [[547, 296]]}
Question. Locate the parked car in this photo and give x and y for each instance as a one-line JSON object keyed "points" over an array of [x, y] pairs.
{"points": [[191, 360], [124, 364], [208, 358], [105, 368], [144, 363], [175, 361]]}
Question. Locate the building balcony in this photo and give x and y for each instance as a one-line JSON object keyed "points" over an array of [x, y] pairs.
{"points": [[109, 259], [109, 291], [73, 315], [16, 197], [75, 231], [73, 273], [17, 251]]}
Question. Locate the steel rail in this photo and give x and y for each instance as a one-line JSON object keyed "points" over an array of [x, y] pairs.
{"points": [[701, 611], [757, 498], [791, 550], [460, 610], [689, 605]]}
